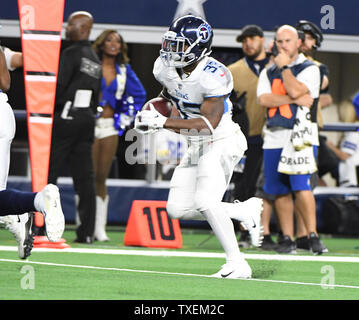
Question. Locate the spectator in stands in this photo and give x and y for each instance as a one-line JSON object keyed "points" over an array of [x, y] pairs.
{"points": [[348, 153], [292, 83], [245, 74], [122, 95], [77, 94]]}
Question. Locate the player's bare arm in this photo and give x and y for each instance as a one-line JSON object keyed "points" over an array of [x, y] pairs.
{"points": [[4, 73], [211, 110]]}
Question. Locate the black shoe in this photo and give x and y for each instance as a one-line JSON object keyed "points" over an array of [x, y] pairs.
{"points": [[87, 240], [244, 240], [268, 243], [316, 246], [27, 245], [280, 237], [303, 243], [29, 241], [286, 245]]}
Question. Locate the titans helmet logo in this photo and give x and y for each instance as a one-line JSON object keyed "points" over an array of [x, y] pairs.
{"points": [[204, 31]]}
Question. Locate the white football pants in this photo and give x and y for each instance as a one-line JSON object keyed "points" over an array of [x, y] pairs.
{"points": [[7, 133], [199, 183]]}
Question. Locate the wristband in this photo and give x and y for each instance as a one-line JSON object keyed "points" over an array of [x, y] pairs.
{"points": [[283, 68]]}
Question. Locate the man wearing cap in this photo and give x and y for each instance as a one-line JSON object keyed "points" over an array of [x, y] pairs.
{"points": [[312, 37], [245, 74]]}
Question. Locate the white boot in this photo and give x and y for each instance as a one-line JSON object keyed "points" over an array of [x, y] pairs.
{"points": [[101, 219], [21, 227], [48, 202]]}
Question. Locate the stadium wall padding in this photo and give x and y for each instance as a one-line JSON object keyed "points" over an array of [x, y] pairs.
{"points": [[121, 198]]}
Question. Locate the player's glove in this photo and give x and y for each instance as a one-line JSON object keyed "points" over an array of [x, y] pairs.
{"points": [[149, 121]]}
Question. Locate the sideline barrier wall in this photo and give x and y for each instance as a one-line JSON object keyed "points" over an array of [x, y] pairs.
{"points": [[123, 192], [150, 226]]}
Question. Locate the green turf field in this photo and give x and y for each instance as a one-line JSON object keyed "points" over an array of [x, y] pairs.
{"points": [[106, 271]]}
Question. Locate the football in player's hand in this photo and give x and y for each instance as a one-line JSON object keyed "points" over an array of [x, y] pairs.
{"points": [[162, 105]]}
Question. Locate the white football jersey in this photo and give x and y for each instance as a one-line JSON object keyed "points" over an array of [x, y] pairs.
{"points": [[349, 169], [210, 79]]}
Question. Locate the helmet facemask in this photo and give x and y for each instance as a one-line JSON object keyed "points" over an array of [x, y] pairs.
{"points": [[177, 51]]}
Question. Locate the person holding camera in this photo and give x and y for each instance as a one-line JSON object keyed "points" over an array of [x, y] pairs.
{"points": [[312, 38], [286, 90]]}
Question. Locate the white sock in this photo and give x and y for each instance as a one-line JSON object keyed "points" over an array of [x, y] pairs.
{"points": [[39, 202], [223, 228], [234, 211], [193, 215]]}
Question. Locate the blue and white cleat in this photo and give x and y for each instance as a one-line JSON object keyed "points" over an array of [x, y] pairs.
{"points": [[52, 211], [234, 270], [21, 227], [253, 222]]}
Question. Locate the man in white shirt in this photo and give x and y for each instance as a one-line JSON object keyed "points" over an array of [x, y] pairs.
{"points": [[292, 81]]}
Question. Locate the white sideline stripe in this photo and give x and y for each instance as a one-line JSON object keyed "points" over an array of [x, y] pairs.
{"points": [[168, 253], [176, 273]]}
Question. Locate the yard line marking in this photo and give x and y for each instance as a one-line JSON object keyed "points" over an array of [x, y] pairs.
{"points": [[176, 273], [174, 253]]}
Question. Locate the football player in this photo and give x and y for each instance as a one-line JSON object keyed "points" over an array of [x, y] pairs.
{"points": [[199, 87]]}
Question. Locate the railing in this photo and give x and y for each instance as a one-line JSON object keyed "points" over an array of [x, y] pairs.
{"points": [[340, 126]]}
